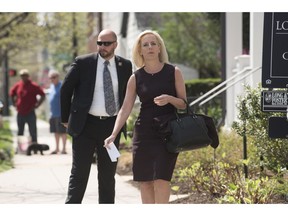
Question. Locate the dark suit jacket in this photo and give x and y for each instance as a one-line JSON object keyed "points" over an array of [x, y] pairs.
{"points": [[78, 88]]}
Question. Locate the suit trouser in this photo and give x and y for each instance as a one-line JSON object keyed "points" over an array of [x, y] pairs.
{"points": [[31, 120], [92, 140]]}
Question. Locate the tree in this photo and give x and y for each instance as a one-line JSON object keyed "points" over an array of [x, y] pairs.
{"points": [[38, 41], [9, 21], [23, 41], [54, 37], [17, 33], [194, 39], [66, 36]]}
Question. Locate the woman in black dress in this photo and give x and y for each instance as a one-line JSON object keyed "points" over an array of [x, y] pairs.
{"points": [[160, 88]]}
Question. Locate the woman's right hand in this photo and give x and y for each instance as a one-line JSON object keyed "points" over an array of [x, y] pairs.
{"points": [[109, 140]]}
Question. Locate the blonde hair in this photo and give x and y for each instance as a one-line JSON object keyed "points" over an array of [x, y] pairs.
{"points": [[138, 58]]}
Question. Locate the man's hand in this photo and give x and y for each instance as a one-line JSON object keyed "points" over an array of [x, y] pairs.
{"points": [[40, 101]]}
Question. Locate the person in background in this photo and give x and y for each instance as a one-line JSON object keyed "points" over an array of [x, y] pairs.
{"points": [[55, 113], [160, 87], [90, 117], [24, 97]]}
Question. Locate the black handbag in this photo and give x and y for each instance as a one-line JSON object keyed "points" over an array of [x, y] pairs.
{"points": [[186, 131]]}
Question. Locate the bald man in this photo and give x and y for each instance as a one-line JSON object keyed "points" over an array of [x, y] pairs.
{"points": [[89, 122]]}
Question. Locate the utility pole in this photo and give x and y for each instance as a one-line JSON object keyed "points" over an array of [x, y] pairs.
{"points": [[100, 21], [6, 83], [74, 38]]}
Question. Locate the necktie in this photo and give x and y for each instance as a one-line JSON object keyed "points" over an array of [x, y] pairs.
{"points": [[108, 91]]}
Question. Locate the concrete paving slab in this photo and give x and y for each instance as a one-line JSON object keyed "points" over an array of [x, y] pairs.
{"points": [[43, 179]]}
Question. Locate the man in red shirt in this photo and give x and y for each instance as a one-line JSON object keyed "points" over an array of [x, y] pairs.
{"points": [[24, 98]]}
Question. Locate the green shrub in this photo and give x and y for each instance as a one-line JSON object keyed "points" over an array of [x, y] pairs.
{"points": [[6, 147], [226, 183], [197, 87], [254, 123], [249, 191], [220, 173], [230, 150]]}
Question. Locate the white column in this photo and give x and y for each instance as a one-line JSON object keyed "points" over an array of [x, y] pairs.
{"points": [[233, 49], [242, 61], [256, 45]]}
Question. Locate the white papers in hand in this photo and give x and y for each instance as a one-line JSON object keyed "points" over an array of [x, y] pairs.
{"points": [[113, 152]]}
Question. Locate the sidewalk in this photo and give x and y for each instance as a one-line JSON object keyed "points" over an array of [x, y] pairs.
{"points": [[43, 179]]}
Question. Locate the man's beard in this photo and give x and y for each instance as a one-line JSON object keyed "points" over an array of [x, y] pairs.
{"points": [[105, 54]]}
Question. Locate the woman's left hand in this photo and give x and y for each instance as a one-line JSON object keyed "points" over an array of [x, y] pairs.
{"points": [[162, 100]]}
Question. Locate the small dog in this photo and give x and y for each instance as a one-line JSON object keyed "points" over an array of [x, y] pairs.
{"points": [[37, 147]]}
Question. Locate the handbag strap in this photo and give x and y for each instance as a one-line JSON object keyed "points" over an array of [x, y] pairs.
{"points": [[188, 110]]}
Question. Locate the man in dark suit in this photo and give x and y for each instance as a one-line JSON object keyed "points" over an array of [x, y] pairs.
{"points": [[83, 112]]}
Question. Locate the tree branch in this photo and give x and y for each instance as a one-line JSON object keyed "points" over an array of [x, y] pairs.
{"points": [[14, 21]]}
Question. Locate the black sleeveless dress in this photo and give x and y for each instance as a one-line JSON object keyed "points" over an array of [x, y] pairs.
{"points": [[151, 160]]}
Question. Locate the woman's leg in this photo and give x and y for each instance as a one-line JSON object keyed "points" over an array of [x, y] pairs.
{"points": [[147, 192], [162, 191], [57, 138]]}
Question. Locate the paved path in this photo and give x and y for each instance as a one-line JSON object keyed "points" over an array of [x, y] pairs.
{"points": [[44, 178]]}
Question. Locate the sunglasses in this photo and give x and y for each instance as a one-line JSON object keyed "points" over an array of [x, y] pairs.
{"points": [[105, 43], [53, 77]]}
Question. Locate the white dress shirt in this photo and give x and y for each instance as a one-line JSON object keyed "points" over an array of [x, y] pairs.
{"points": [[98, 104]]}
